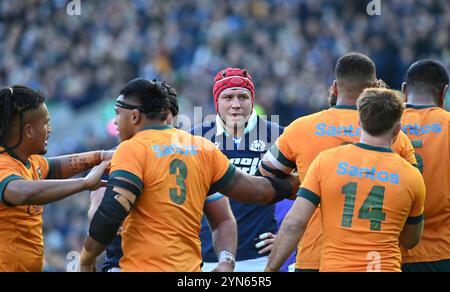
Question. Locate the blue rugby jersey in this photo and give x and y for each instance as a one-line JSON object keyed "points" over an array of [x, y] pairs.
{"points": [[113, 254], [245, 153]]}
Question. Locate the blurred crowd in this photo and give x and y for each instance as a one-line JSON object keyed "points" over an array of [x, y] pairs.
{"points": [[289, 46]]}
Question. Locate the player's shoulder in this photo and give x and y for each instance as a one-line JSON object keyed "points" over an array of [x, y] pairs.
{"points": [[439, 119], [404, 166], [304, 122], [8, 167], [442, 113], [126, 144], [197, 142], [429, 111], [402, 138], [37, 159], [132, 145], [6, 161], [338, 152], [202, 144], [410, 175]]}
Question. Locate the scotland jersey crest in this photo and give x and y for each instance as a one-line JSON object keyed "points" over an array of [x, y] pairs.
{"points": [[258, 146]]}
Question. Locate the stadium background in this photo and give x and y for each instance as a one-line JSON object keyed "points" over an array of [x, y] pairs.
{"points": [[289, 46]]}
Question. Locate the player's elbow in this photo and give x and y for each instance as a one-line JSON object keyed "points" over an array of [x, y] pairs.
{"points": [[410, 235], [264, 199], [26, 198], [13, 199], [227, 228], [295, 225], [258, 198], [409, 243]]}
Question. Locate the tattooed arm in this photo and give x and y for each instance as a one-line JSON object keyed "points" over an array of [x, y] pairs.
{"points": [[40, 192], [70, 165]]}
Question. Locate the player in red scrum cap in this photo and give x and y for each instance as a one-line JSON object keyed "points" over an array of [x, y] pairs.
{"points": [[234, 97], [243, 137]]}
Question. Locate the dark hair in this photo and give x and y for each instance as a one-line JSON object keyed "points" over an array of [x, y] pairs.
{"points": [[379, 110], [355, 69], [154, 97], [14, 101], [332, 99], [428, 76], [173, 105]]}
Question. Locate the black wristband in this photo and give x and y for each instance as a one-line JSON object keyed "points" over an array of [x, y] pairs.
{"points": [[283, 189]]}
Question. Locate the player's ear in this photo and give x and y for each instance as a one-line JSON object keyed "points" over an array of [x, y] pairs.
{"points": [[444, 92], [334, 88], [397, 129], [405, 91], [443, 95], [169, 118], [136, 116], [28, 131]]}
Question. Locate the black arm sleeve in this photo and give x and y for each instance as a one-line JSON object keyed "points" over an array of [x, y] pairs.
{"points": [[283, 189], [108, 218]]}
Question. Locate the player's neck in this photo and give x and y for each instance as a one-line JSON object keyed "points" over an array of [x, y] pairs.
{"points": [[420, 99], [152, 123], [346, 100], [384, 141], [19, 153], [235, 132]]}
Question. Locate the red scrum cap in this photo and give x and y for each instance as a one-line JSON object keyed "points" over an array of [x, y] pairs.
{"points": [[232, 78]]}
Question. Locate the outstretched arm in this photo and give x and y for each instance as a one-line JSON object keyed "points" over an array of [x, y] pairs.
{"points": [[260, 190], [69, 165], [276, 164], [28, 192]]}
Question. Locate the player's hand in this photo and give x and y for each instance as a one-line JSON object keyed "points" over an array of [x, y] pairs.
{"points": [[224, 267], [93, 179], [265, 242]]}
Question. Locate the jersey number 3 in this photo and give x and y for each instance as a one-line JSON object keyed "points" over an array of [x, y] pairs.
{"points": [[371, 209], [178, 167]]}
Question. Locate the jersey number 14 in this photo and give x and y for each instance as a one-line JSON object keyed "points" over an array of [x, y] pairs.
{"points": [[371, 209]]}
